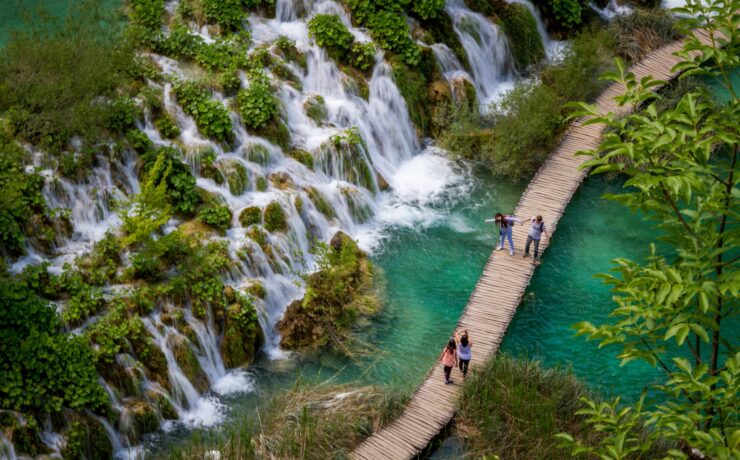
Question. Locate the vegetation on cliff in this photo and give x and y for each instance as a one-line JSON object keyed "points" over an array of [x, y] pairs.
{"points": [[336, 294]]}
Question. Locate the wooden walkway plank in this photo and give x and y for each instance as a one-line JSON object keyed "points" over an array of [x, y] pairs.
{"points": [[491, 307]]}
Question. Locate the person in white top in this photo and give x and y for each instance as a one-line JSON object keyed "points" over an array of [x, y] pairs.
{"points": [[464, 351], [505, 224], [535, 234]]}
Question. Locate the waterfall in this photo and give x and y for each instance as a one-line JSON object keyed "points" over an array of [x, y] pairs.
{"points": [[7, 451], [487, 49], [552, 47], [611, 10]]}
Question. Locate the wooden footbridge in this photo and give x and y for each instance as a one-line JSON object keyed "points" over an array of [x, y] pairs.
{"points": [[491, 308]]}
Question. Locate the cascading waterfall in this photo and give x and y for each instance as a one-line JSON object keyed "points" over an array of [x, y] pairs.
{"points": [[611, 10], [384, 179], [487, 49]]}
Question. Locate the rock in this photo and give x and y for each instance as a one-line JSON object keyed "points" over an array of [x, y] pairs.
{"points": [[138, 419], [188, 362], [250, 215], [85, 438], [281, 180], [382, 183]]}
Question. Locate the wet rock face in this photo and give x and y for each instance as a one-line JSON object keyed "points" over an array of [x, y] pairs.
{"points": [[86, 438], [188, 362]]}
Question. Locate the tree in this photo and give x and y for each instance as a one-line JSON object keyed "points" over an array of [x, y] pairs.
{"points": [[679, 309]]}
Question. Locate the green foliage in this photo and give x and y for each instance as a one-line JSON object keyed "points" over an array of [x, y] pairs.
{"points": [[250, 215], [428, 9], [274, 217], [148, 210], [258, 104], [147, 13], [58, 78], [287, 48], [99, 267], [20, 199], [217, 216], [391, 32], [413, 87], [677, 309], [224, 54], [329, 32], [642, 31], [226, 13], [315, 108], [122, 115], [42, 369], [210, 115], [261, 184], [567, 12], [514, 408], [520, 28], [320, 202], [302, 157], [363, 56], [182, 193]]}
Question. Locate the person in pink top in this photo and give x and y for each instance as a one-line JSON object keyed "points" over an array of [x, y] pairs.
{"points": [[449, 359]]}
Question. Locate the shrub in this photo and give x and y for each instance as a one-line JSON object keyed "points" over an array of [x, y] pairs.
{"points": [[250, 215], [363, 56], [274, 217], [147, 211], [148, 13], [42, 369], [22, 199], [182, 193], [427, 9], [567, 12], [391, 32], [330, 33], [210, 115], [226, 13], [257, 103], [217, 216], [222, 55], [642, 31]]}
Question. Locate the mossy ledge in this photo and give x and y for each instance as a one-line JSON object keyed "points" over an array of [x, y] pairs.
{"points": [[337, 294]]}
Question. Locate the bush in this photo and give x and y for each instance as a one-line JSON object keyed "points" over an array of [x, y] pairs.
{"points": [[210, 115], [22, 199], [258, 104], [391, 32], [567, 12], [250, 216], [42, 369], [274, 217], [642, 31], [226, 13], [182, 193], [148, 13], [330, 33], [363, 56], [218, 216], [428, 9]]}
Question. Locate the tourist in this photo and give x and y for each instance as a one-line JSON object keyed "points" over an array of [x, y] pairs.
{"points": [[535, 233], [505, 224], [449, 359], [464, 352]]}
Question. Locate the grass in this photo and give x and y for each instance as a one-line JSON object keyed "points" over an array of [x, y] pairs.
{"points": [[309, 421], [514, 408]]}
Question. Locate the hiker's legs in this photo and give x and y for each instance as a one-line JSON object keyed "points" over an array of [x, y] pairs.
{"points": [[448, 370], [536, 248], [529, 242], [500, 240], [464, 366], [510, 238]]}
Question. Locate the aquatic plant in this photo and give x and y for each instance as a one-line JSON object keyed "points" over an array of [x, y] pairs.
{"points": [[363, 56], [210, 115], [330, 33], [390, 32], [217, 216], [257, 103], [250, 215], [274, 217]]}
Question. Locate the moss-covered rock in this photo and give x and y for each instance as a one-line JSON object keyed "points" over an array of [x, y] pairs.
{"points": [[344, 156], [281, 180], [302, 157], [250, 215], [188, 362], [276, 131], [257, 153], [315, 108], [261, 184], [360, 210], [85, 438], [23, 432], [140, 418], [236, 175], [336, 295], [320, 202], [163, 405], [257, 289], [521, 30], [274, 218], [354, 82]]}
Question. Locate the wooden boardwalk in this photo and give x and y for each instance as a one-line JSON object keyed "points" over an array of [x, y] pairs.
{"points": [[491, 307]]}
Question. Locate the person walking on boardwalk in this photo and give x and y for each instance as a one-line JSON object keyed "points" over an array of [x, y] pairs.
{"points": [[449, 359], [464, 351], [535, 234], [505, 224]]}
